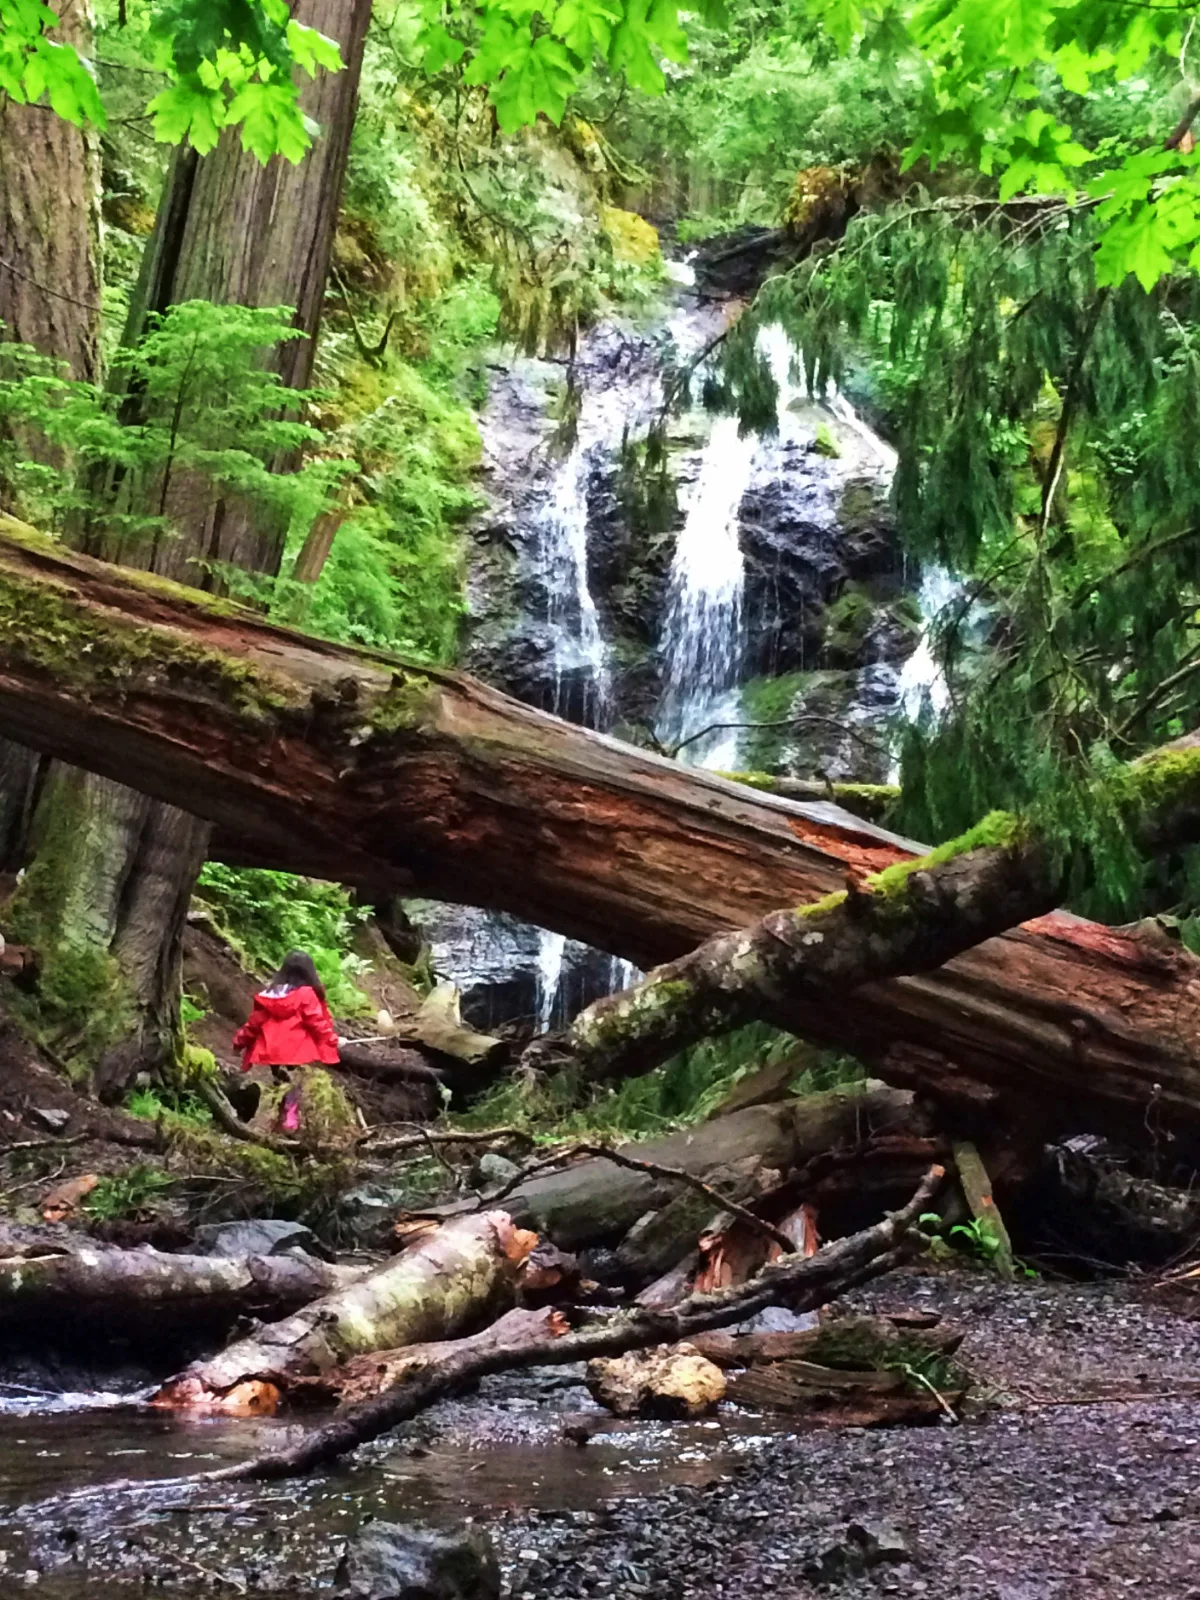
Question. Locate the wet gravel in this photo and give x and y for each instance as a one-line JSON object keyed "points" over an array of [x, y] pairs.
{"points": [[1079, 1478], [1068, 1496]]}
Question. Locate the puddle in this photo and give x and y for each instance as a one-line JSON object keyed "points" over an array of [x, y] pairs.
{"points": [[477, 1460]]}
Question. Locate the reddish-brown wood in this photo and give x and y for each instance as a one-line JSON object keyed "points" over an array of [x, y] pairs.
{"points": [[350, 765]]}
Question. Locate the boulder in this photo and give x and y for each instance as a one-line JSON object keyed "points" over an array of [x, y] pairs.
{"points": [[388, 1562], [671, 1382]]}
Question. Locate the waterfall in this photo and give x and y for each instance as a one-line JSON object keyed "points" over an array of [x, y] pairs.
{"points": [[578, 649], [702, 644], [551, 951], [922, 679]]}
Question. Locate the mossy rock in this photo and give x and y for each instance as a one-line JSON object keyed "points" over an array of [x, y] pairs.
{"points": [[633, 239], [848, 625]]}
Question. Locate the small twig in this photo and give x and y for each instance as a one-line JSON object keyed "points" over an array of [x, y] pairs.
{"points": [[919, 1377], [46, 1144], [391, 1147]]}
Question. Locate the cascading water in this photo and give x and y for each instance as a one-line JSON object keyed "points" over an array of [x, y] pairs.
{"points": [[702, 646], [922, 679], [578, 654], [726, 590]]}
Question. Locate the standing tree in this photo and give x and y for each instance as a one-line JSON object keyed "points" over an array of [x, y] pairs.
{"points": [[243, 220]]}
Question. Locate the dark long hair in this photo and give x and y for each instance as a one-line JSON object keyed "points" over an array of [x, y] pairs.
{"points": [[296, 971]]}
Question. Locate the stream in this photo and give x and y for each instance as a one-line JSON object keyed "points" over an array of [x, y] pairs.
{"points": [[503, 1452]]}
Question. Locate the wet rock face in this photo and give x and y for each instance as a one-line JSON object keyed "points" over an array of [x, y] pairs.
{"points": [[390, 1562], [509, 972], [807, 533]]}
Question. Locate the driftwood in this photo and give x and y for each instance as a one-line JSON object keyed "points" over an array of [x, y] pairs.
{"points": [[596, 1202], [537, 1338], [452, 1276], [123, 1288], [350, 765]]}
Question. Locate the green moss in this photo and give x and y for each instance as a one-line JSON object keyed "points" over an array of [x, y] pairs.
{"points": [[829, 902], [1162, 780], [824, 442], [772, 699], [848, 622], [405, 706], [999, 829], [98, 656]]}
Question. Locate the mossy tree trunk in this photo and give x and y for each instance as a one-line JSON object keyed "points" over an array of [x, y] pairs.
{"points": [[346, 764], [49, 298], [112, 872]]}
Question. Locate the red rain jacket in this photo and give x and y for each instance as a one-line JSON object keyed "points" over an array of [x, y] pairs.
{"points": [[287, 1030]]}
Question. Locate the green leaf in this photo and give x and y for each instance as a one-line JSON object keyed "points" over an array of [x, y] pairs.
{"points": [[312, 49], [187, 110]]}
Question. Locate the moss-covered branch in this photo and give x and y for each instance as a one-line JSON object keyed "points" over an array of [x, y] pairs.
{"points": [[910, 917]]}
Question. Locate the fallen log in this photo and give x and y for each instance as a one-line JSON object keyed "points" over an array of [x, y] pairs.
{"points": [[544, 1337], [454, 1275], [911, 917], [596, 1202], [352, 765], [109, 1288]]}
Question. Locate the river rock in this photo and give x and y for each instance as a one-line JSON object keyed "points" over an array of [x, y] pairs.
{"points": [[671, 1382], [389, 1562], [257, 1236]]}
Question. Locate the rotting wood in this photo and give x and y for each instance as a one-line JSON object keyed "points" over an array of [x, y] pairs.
{"points": [[351, 765], [804, 1282], [977, 1188], [452, 1276], [596, 1201]]}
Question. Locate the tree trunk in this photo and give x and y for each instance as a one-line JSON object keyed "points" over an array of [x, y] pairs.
{"points": [[798, 1281], [50, 223], [455, 1276], [228, 230], [596, 1202], [144, 1291], [350, 765], [49, 298], [236, 232]]}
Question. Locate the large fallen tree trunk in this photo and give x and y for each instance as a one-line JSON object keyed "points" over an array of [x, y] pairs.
{"points": [[120, 1289], [355, 766], [911, 917], [456, 1275]]}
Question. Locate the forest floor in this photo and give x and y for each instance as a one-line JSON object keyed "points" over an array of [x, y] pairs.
{"points": [[1080, 1478]]}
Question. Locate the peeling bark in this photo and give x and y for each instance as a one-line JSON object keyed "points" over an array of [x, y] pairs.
{"points": [[452, 1277], [351, 765]]}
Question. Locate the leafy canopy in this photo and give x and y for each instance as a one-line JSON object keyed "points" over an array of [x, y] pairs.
{"points": [[228, 63], [1008, 88]]}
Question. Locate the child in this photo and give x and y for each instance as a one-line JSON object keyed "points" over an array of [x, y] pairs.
{"points": [[289, 1027]]}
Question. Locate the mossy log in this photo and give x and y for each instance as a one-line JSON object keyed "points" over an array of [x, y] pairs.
{"points": [[452, 1277], [145, 1289], [533, 1339], [351, 765]]}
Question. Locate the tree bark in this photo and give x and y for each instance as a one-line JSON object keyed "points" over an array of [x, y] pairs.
{"points": [[455, 1276], [145, 1290], [350, 765], [230, 230], [595, 1202], [50, 223], [801, 1282], [237, 232]]}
